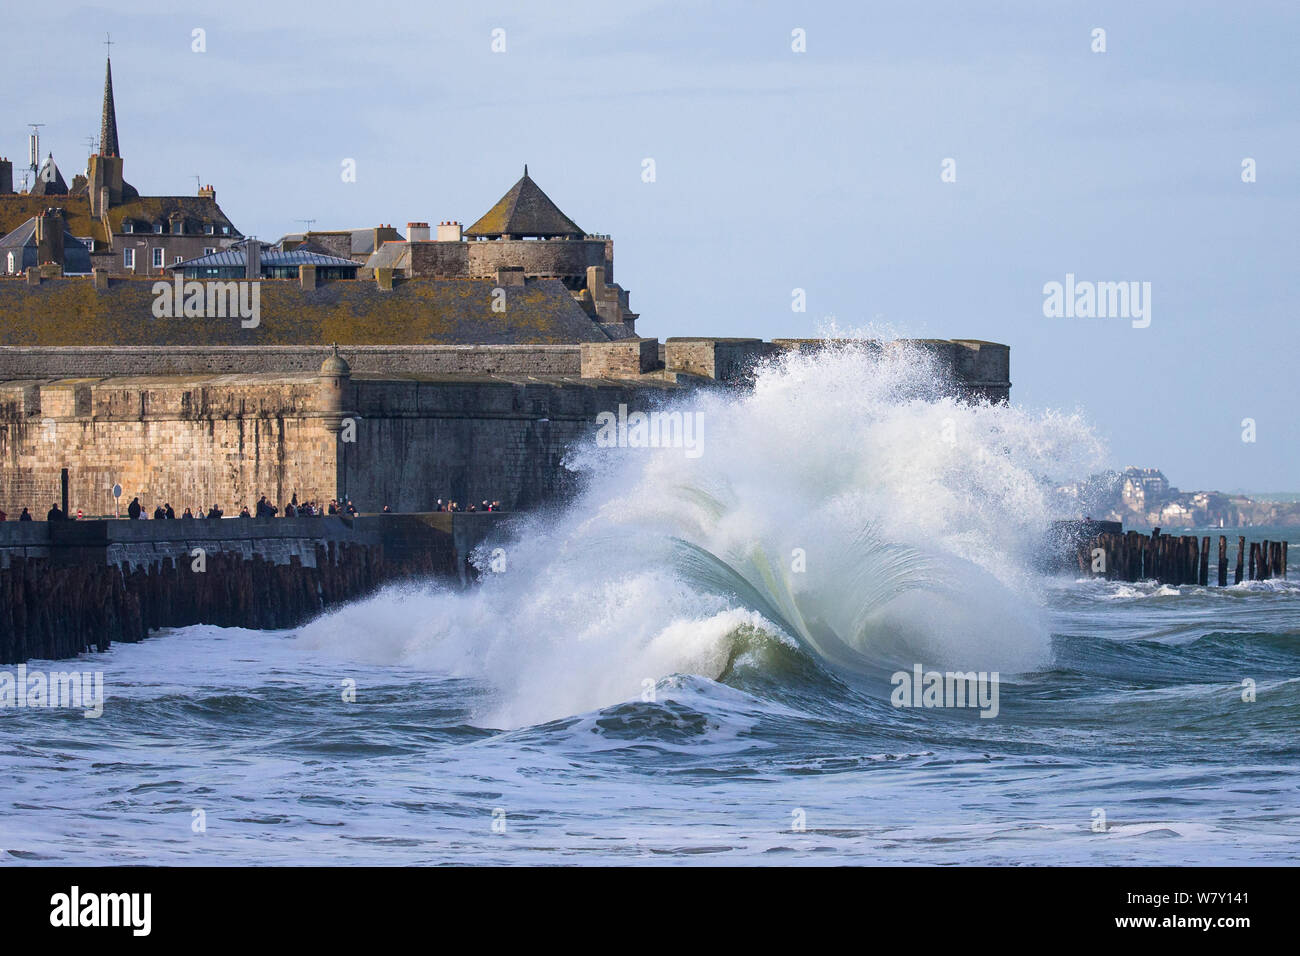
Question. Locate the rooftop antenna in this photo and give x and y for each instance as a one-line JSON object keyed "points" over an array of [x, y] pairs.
{"points": [[34, 147], [198, 182], [308, 223]]}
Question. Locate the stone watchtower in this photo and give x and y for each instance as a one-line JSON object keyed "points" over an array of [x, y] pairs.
{"points": [[335, 376]]}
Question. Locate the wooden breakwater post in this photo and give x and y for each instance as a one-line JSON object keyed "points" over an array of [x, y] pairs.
{"points": [[1177, 560], [73, 586]]}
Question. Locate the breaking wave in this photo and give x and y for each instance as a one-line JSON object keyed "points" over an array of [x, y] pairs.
{"points": [[846, 508]]}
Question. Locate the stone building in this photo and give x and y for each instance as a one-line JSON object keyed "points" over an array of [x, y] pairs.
{"points": [[355, 244], [124, 232], [1142, 489], [523, 236]]}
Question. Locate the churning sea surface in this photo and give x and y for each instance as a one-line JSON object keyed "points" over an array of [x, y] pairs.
{"points": [[693, 664]]}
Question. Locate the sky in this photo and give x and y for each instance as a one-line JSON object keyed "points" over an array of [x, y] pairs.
{"points": [[776, 169]]}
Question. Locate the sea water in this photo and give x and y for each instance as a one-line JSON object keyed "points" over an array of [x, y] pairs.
{"points": [[696, 660]]}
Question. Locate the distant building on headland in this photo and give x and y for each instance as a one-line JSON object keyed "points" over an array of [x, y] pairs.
{"points": [[1142, 485], [197, 366], [1143, 497]]}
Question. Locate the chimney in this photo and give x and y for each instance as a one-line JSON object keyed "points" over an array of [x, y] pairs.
{"points": [[6, 177], [510, 276], [207, 192], [252, 259], [384, 233], [49, 237], [307, 276], [449, 232], [417, 232]]}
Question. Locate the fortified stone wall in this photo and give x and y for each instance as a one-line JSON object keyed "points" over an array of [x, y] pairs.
{"points": [[540, 257], [225, 440], [439, 259], [418, 441], [465, 423], [35, 362], [230, 439]]}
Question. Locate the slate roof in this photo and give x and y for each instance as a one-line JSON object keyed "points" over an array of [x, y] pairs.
{"points": [[108, 125], [76, 257], [391, 255], [49, 181], [525, 211], [147, 210], [17, 208], [235, 257], [349, 312]]}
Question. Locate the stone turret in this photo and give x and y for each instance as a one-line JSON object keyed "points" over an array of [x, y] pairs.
{"points": [[335, 375]]}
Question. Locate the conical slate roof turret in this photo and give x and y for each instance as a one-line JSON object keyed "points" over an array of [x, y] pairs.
{"points": [[525, 211]]}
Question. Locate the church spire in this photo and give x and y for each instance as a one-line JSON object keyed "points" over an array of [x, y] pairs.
{"points": [[108, 127]]}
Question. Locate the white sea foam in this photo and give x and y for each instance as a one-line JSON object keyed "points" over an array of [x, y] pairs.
{"points": [[878, 519]]}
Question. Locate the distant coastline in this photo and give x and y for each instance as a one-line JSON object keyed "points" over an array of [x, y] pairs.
{"points": [[1144, 497]]}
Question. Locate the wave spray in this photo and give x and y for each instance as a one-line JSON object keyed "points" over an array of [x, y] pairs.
{"points": [[846, 504]]}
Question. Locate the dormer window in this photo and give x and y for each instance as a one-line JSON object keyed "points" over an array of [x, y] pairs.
{"points": [[225, 230], [178, 226], [209, 229], [128, 226], [157, 227]]}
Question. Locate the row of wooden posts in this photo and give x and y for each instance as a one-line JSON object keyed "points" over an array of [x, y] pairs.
{"points": [[1175, 560]]}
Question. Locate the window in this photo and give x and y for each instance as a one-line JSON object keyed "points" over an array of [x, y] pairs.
{"points": [[208, 250], [157, 227], [209, 229], [128, 258], [11, 268], [178, 258], [128, 227], [225, 230], [157, 257], [178, 227]]}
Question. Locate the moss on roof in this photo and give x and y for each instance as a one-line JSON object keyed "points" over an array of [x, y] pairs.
{"points": [[525, 211], [350, 312], [18, 208], [15, 209]]}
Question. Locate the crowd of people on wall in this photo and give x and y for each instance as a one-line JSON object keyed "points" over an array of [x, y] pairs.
{"points": [[442, 505], [262, 509]]}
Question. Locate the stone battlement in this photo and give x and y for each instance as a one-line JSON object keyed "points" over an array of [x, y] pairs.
{"points": [[977, 368]]}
